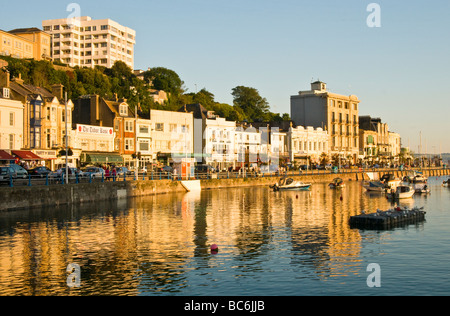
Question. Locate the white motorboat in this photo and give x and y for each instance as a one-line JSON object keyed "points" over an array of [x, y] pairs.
{"points": [[402, 192], [387, 183], [422, 188], [290, 184], [420, 179], [415, 177]]}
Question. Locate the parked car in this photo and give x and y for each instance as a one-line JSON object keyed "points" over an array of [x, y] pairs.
{"points": [[39, 171], [20, 171], [94, 172], [6, 173], [204, 169], [62, 171], [165, 170], [120, 171]]}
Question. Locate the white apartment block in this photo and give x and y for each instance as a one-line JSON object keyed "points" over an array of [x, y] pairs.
{"points": [[88, 42]]}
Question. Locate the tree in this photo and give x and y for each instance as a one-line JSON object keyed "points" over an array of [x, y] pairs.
{"points": [[324, 159], [255, 107], [161, 78]]}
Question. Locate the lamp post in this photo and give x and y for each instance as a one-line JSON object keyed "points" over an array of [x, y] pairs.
{"points": [[67, 140], [136, 161]]}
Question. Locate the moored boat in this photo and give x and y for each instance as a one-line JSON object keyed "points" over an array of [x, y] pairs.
{"points": [[387, 183], [422, 188], [290, 184], [402, 192], [337, 183]]}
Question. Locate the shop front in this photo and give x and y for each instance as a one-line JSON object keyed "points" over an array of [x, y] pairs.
{"points": [[99, 158]]}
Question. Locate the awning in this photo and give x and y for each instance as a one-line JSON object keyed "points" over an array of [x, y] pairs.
{"points": [[5, 156], [102, 158], [26, 155]]}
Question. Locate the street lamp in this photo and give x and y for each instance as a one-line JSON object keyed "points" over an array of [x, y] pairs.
{"points": [[136, 161]]}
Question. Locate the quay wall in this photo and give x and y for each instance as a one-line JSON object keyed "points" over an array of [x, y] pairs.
{"points": [[25, 197]]}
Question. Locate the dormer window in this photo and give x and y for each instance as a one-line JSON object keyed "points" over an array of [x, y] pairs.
{"points": [[6, 93], [123, 109]]}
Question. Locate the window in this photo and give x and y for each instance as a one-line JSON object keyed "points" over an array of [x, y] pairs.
{"points": [[129, 144], [144, 145], [173, 128], [143, 129], [6, 93], [104, 27], [129, 126], [11, 141], [123, 109], [159, 127], [11, 119]]}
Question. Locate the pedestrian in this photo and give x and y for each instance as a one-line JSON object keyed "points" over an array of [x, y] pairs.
{"points": [[114, 173], [107, 175]]}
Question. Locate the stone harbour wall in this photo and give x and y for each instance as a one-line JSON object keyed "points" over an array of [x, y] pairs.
{"points": [[24, 197]]}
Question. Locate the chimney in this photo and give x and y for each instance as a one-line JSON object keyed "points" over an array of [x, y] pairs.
{"points": [[58, 91], [4, 78], [19, 80]]}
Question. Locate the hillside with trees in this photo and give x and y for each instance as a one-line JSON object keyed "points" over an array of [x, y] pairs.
{"points": [[120, 81]]}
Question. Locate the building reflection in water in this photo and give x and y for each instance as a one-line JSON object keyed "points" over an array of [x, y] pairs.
{"points": [[160, 244]]}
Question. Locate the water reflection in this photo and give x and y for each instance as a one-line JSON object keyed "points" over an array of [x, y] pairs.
{"points": [[160, 244]]}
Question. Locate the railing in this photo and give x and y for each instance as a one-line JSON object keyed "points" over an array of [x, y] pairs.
{"points": [[47, 180]]}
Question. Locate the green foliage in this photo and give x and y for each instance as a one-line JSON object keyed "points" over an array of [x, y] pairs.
{"points": [[161, 78], [255, 107]]}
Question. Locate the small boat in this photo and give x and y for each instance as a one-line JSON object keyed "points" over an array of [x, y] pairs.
{"points": [[415, 177], [446, 183], [386, 183], [375, 186], [419, 179], [422, 188], [402, 192], [290, 184], [337, 183]]}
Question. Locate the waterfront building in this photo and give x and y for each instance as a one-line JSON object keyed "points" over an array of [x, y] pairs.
{"points": [[395, 145], [368, 144], [307, 144], [96, 144], [172, 136], [338, 114], [274, 138], [11, 121], [379, 144], [144, 142], [43, 118], [214, 137], [27, 43], [88, 42], [97, 111], [247, 144]]}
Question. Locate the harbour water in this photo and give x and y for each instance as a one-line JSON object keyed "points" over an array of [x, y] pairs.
{"points": [[270, 244]]}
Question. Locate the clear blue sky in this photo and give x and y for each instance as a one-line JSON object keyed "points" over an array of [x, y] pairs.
{"points": [[400, 71]]}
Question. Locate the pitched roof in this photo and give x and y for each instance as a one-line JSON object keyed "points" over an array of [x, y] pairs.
{"points": [[197, 109]]}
